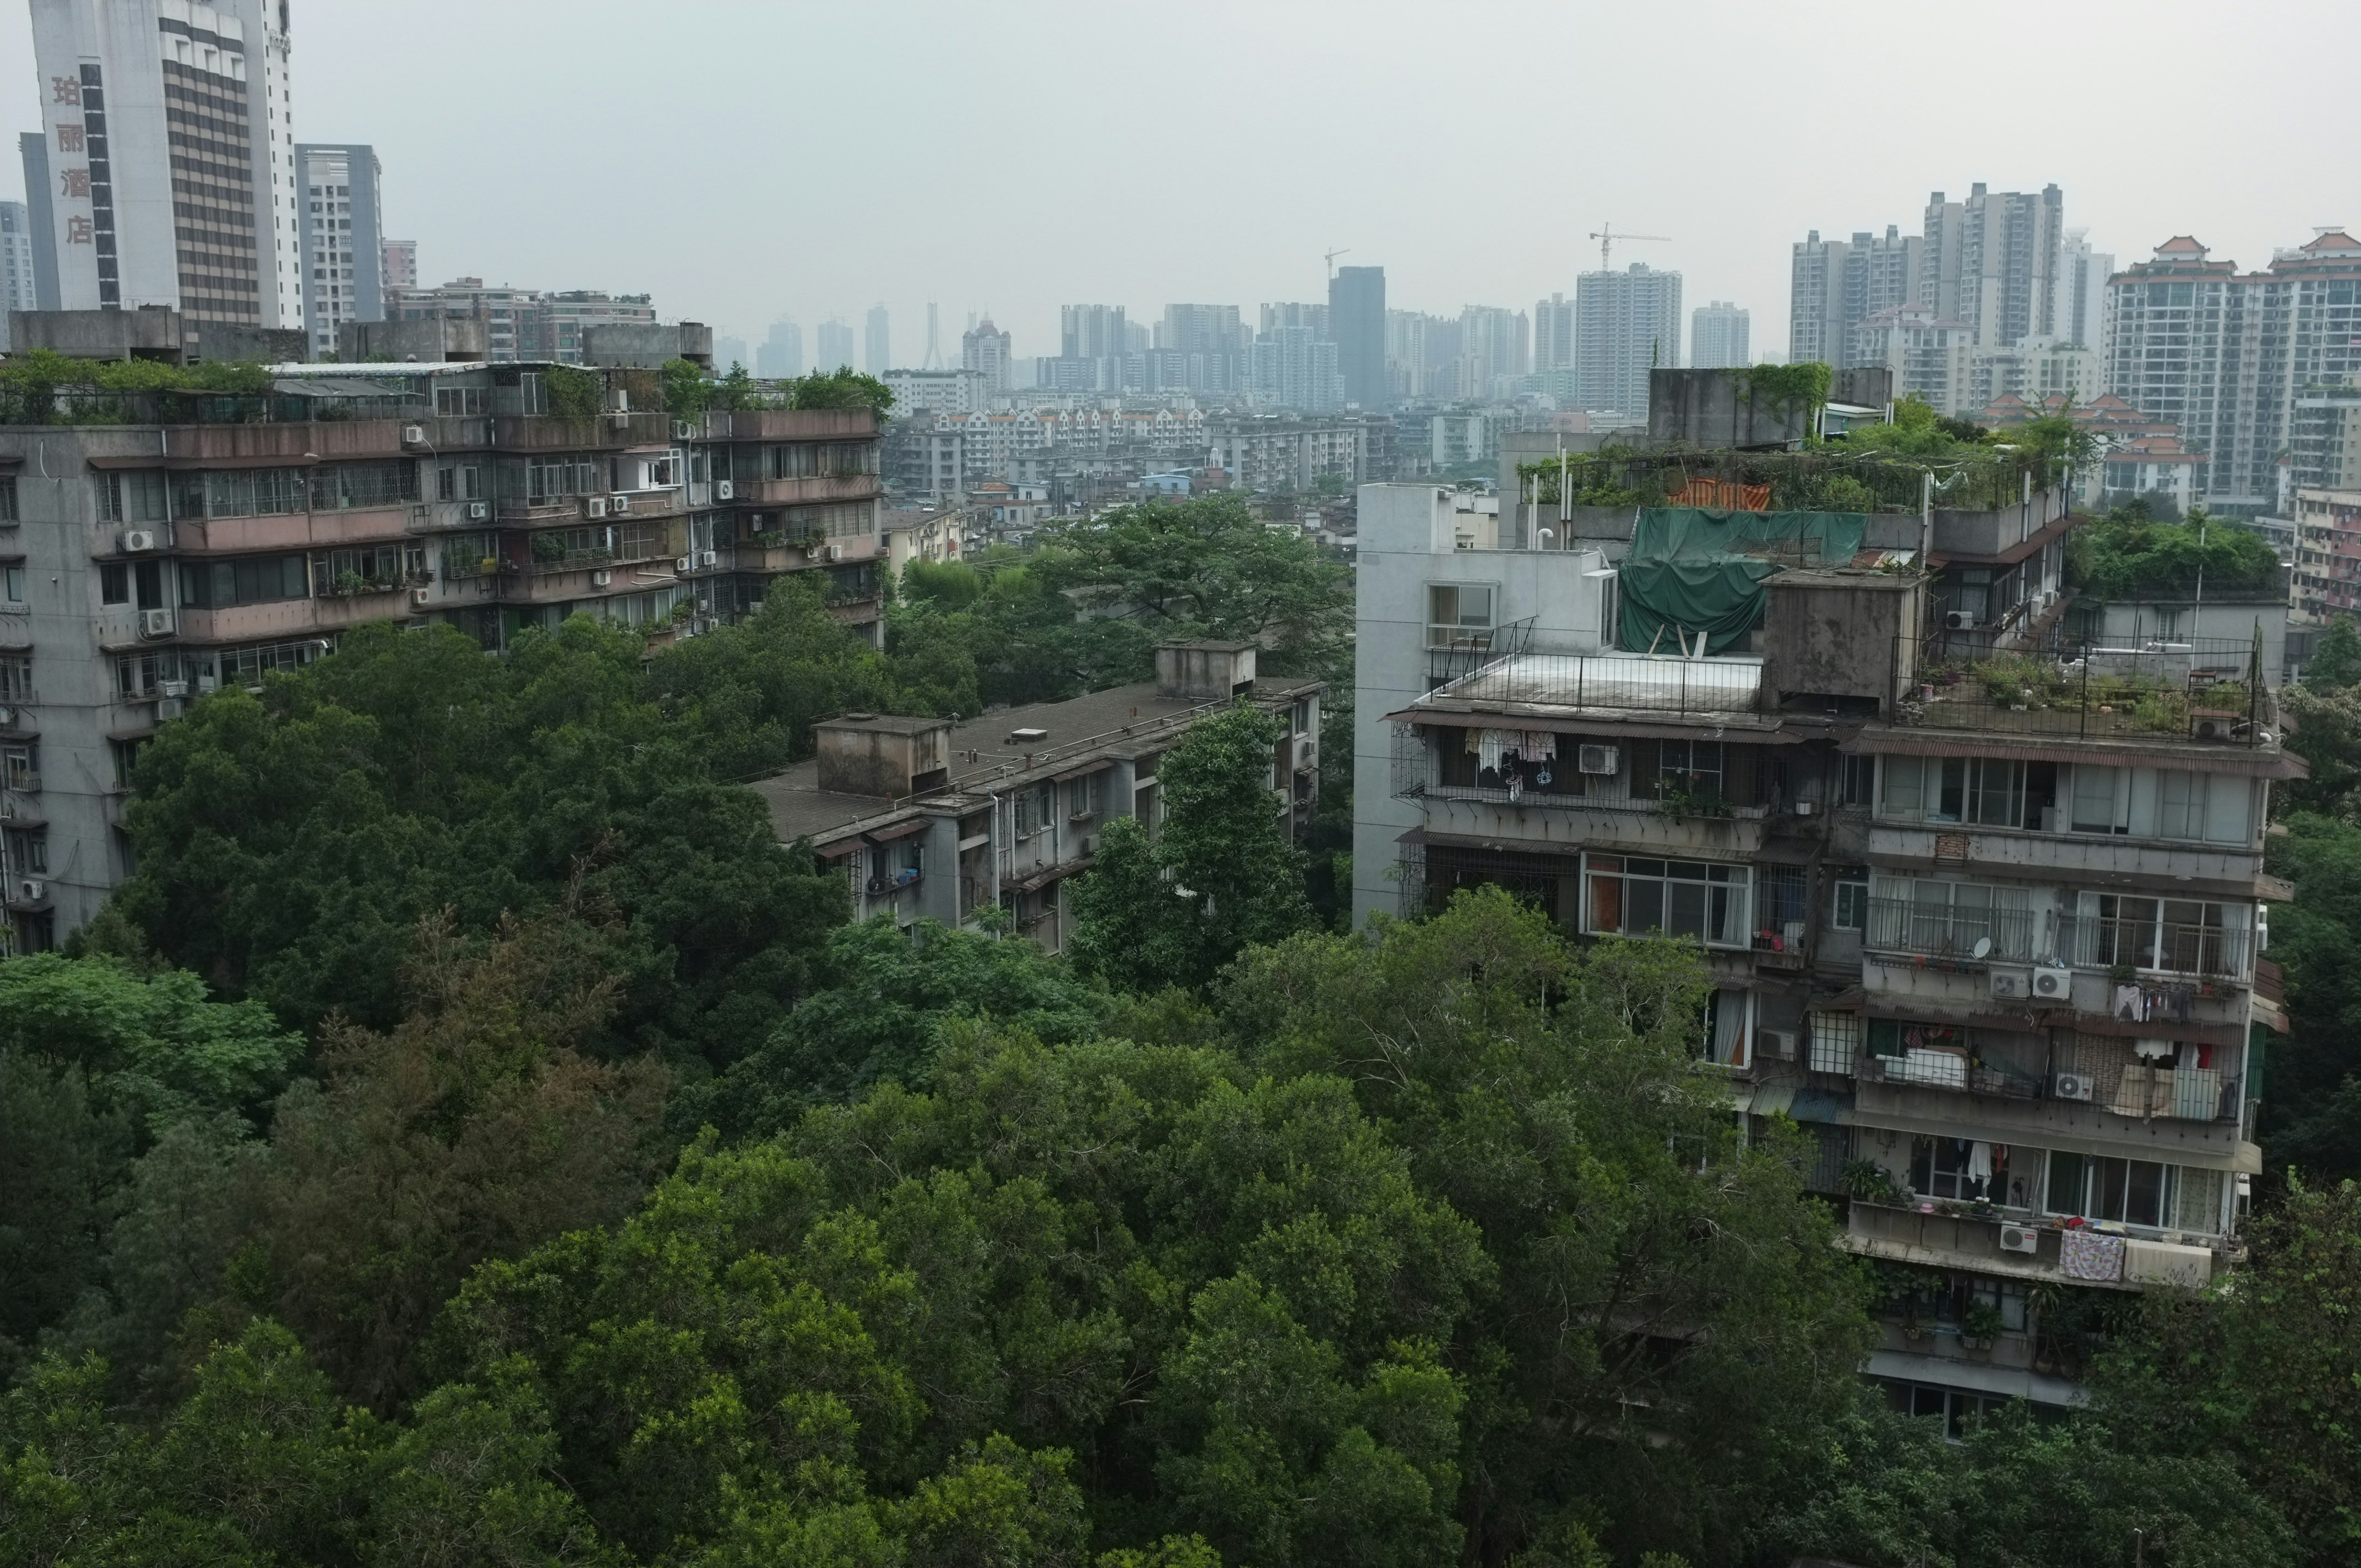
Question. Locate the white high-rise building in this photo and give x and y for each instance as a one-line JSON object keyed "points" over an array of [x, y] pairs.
{"points": [[1929, 354], [1993, 262], [171, 173], [984, 348], [17, 291], [2083, 275], [1718, 337], [877, 341], [1626, 324], [2253, 367], [1553, 335], [1835, 285], [343, 246]]}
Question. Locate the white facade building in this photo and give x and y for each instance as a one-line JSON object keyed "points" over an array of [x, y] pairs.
{"points": [[935, 391], [18, 290], [343, 238], [984, 348], [1929, 355], [171, 173], [1718, 337], [1628, 323]]}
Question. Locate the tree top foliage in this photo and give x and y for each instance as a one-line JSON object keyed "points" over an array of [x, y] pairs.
{"points": [[2126, 556]]}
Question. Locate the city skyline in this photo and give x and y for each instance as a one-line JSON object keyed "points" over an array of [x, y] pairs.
{"points": [[1733, 223]]}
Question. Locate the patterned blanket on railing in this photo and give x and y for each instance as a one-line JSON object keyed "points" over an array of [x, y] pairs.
{"points": [[2090, 1254]]}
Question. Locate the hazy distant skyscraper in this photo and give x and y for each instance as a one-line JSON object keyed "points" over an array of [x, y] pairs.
{"points": [[1718, 337], [833, 345], [1835, 285], [1553, 333], [1495, 346], [1213, 348], [17, 289], [934, 359], [2083, 275], [1357, 322], [781, 355], [877, 341], [729, 351], [984, 348], [1992, 261], [1091, 332], [1626, 323], [1296, 314], [1297, 371]]}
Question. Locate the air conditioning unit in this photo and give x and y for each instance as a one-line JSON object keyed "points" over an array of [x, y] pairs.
{"points": [[155, 623], [413, 435], [137, 540], [682, 563], [619, 504], [2019, 1238], [594, 505], [418, 599], [682, 431], [174, 688], [829, 552], [1779, 1045], [600, 578], [2009, 985], [708, 558], [31, 890], [170, 707], [725, 489], [2071, 1086], [1596, 758], [2052, 984], [1958, 620], [621, 419], [2212, 726], [479, 511]]}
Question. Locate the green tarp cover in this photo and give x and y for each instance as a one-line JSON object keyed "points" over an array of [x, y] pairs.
{"points": [[1699, 570]]}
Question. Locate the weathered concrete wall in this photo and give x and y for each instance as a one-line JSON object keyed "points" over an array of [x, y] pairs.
{"points": [[423, 342], [1830, 633], [1713, 408], [647, 344], [151, 332]]}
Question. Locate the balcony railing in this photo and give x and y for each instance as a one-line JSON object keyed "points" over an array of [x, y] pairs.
{"points": [[2165, 946], [1944, 930], [2182, 689]]}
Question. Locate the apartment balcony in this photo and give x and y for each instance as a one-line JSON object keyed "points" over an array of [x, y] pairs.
{"points": [[294, 531], [565, 511], [1953, 1236], [809, 490], [789, 424], [295, 445], [600, 433], [558, 582], [2205, 690], [286, 620], [2089, 859]]}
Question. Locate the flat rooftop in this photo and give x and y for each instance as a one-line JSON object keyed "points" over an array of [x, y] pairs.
{"points": [[1119, 721]]}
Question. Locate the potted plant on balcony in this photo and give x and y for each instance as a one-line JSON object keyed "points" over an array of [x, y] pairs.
{"points": [[548, 549], [1980, 1325], [350, 582]]}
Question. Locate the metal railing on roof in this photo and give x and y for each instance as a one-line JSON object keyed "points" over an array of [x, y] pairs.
{"points": [[2185, 688]]}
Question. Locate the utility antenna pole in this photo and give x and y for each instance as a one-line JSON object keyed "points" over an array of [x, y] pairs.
{"points": [[1332, 256], [1605, 235]]}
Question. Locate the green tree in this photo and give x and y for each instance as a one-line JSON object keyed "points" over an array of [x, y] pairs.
{"points": [[2337, 661], [2126, 557], [2264, 1370], [2312, 1110], [63, 1162], [687, 390], [1218, 876], [842, 388]]}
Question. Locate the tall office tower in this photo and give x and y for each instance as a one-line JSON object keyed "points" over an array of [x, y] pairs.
{"points": [[342, 254], [984, 348], [19, 290], [1835, 285], [1553, 333], [1993, 262], [730, 351], [1357, 323], [2254, 367], [398, 264], [877, 341], [780, 355], [833, 345], [934, 359], [171, 158], [1718, 337], [1626, 324], [2083, 275]]}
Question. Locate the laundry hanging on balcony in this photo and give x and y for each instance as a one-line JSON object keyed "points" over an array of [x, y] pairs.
{"points": [[2085, 1253], [1516, 758]]}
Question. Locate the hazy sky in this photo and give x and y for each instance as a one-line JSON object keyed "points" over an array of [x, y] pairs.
{"points": [[743, 160]]}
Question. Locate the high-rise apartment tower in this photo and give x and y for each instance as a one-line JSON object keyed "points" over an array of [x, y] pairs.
{"points": [[1357, 322], [342, 244]]}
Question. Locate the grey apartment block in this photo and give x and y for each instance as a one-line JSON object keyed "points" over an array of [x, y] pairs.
{"points": [[185, 546], [1626, 324], [942, 820], [2002, 950], [340, 206]]}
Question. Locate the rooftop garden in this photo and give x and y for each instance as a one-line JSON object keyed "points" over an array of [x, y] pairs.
{"points": [[40, 387], [2092, 690], [2128, 554], [1882, 467]]}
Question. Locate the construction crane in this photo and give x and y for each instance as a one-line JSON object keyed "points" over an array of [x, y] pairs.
{"points": [[1332, 256], [1605, 235]]}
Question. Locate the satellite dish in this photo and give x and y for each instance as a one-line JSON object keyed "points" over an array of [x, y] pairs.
{"points": [[1983, 947]]}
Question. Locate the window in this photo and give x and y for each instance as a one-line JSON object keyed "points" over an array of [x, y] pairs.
{"points": [[1949, 917], [1959, 1169], [1786, 899], [1836, 1041], [7, 497], [250, 492], [1634, 897], [1860, 781], [147, 584], [20, 765], [114, 584], [1729, 1027], [1852, 906], [2180, 936], [16, 677], [1987, 791], [265, 579], [29, 851], [460, 403], [2104, 1187], [1459, 615], [131, 498], [12, 585], [1690, 767]]}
